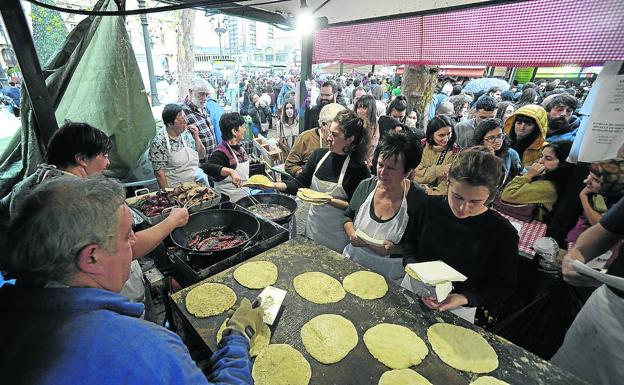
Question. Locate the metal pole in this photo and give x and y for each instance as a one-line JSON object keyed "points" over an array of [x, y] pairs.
{"points": [[341, 68], [307, 46], [148, 57], [24, 47]]}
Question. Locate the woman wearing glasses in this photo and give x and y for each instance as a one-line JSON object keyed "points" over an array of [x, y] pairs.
{"points": [[527, 132], [489, 133]]}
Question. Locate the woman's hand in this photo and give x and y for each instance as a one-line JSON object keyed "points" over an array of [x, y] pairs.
{"points": [[451, 302], [194, 130], [585, 192], [355, 240], [236, 179], [535, 170], [446, 169]]}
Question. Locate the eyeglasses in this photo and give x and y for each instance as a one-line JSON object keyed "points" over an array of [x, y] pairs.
{"points": [[524, 120], [496, 138]]}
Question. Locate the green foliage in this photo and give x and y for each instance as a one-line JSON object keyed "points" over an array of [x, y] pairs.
{"points": [[49, 31]]}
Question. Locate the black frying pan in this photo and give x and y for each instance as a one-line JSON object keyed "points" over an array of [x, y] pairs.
{"points": [[276, 199], [206, 220]]}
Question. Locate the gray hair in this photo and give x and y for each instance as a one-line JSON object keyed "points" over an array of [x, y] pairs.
{"points": [[197, 83], [57, 220], [328, 112]]}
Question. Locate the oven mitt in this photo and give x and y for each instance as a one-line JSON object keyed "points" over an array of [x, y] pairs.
{"points": [[245, 320]]}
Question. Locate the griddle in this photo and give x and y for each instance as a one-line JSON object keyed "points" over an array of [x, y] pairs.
{"points": [[517, 366]]}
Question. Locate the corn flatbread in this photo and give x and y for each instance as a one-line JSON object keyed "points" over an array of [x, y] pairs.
{"points": [[259, 180], [395, 346], [280, 364], [209, 299], [313, 194], [329, 337], [316, 202], [256, 274], [259, 341], [462, 348], [403, 377], [318, 287], [487, 380], [365, 284]]}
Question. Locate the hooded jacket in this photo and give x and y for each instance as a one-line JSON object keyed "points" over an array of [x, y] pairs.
{"points": [[534, 151]]}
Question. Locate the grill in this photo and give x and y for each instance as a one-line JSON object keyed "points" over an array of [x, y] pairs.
{"points": [[190, 268]]}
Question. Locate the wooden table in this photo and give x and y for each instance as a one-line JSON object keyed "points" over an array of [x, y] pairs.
{"points": [[517, 366]]}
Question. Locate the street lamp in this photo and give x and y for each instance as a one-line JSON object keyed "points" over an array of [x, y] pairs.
{"points": [[219, 30]]}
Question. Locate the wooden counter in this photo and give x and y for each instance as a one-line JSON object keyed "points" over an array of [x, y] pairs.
{"points": [[399, 306]]}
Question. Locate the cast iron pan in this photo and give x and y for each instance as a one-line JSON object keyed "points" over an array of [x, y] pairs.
{"points": [[206, 220], [276, 199]]}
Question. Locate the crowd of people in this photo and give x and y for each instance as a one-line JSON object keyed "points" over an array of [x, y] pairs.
{"points": [[422, 192]]}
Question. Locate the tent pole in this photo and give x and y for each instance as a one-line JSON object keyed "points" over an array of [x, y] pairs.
{"points": [[24, 47], [148, 56], [307, 46]]}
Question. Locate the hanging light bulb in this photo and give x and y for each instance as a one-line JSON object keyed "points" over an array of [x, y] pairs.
{"points": [[305, 22]]}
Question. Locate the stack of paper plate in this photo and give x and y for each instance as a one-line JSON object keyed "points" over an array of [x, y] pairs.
{"points": [[368, 239], [312, 196]]}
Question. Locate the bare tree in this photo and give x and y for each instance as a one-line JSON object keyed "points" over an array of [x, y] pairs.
{"points": [[186, 56], [418, 84]]}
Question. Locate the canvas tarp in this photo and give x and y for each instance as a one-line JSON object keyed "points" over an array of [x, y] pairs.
{"points": [[94, 79]]}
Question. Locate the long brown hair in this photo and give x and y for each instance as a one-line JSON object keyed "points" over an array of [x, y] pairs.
{"points": [[358, 128]]}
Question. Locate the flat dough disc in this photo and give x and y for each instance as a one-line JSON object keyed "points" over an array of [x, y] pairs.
{"points": [[329, 337], [403, 377], [365, 284], [209, 299], [318, 287], [487, 380], [281, 364], [462, 348], [395, 346], [259, 341], [256, 274]]}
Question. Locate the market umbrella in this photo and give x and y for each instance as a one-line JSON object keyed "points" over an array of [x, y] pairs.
{"points": [[483, 84]]}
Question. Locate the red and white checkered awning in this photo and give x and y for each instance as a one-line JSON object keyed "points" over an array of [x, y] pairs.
{"points": [[529, 33]]}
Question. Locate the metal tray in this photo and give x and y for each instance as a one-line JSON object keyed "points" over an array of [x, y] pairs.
{"points": [[141, 193]]}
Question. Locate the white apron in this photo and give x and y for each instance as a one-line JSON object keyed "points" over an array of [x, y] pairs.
{"points": [[392, 230], [227, 187], [593, 348], [183, 164], [324, 223]]}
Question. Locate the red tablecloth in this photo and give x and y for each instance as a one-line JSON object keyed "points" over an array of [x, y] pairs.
{"points": [[529, 233]]}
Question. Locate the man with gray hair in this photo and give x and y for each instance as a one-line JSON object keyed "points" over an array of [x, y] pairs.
{"points": [[69, 248], [194, 113]]}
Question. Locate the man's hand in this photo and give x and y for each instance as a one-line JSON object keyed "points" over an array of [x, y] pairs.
{"points": [[535, 170], [246, 320], [571, 276], [179, 216], [451, 302]]}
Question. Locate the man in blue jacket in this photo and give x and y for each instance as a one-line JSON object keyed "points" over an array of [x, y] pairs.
{"points": [[63, 322], [214, 110]]}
